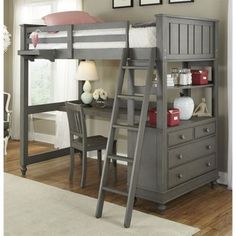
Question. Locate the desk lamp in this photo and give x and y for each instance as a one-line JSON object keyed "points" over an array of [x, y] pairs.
{"points": [[87, 72]]}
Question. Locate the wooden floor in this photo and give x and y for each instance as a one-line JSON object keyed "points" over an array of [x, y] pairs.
{"points": [[205, 208]]}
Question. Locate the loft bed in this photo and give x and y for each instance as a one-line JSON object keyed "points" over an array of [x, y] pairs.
{"points": [[177, 39]]}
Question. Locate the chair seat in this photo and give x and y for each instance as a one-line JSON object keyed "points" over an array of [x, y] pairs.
{"points": [[97, 142], [94, 142]]}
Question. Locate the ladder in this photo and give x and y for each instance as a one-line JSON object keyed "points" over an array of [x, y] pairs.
{"points": [[114, 125]]}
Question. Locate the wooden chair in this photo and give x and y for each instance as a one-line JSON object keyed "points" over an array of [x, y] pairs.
{"points": [[80, 141]]}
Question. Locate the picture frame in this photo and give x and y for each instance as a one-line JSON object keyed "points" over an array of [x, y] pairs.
{"points": [[149, 2], [122, 3], [180, 1]]}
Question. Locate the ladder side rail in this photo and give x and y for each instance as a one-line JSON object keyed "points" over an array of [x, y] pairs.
{"points": [[139, 141], [115, 110]]}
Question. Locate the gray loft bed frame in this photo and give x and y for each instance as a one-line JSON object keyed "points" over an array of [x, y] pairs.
{"points": [[179, 39]]}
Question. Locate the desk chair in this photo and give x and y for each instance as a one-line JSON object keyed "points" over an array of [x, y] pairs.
{"points": [[80, 141]]}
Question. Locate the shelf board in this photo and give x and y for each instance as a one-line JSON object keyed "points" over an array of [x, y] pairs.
{"points": [[194, 121], [191, 123], [210, 84], [191, 59], [36, 53]]}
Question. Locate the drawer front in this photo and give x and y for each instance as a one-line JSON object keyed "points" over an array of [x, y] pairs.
{"points": [[188, 171], [205, 130], [181, 136], [190, 152]]}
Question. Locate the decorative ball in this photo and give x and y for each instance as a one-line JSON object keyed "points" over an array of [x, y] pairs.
{"points": [[185, 106]]}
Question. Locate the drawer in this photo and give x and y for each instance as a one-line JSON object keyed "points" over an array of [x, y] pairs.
{"points": [[190, 170], [190, 152], [205, 130], [180, 136]]}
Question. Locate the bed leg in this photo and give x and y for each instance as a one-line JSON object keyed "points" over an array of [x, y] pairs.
{"points": [[23, 171]]}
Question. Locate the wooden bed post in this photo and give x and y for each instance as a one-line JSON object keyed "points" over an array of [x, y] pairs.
{"points": [[24, 77]]}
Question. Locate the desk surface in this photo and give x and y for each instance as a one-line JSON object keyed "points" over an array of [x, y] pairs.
{"points": [[104, 112]]}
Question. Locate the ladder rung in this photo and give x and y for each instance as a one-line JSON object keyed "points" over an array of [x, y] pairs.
{"points": [[134, 128], [135, 67], [121, 158], [113, 190], [134, 97]]}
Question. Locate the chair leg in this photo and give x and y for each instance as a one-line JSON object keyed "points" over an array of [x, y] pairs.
{"points": [[5, 144], [72, 163], [114, 162], [99, 154], [84, 170]]}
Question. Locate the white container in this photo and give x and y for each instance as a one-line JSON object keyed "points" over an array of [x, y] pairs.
{"points": [[185, 106], [183, 79], [189, 76]]}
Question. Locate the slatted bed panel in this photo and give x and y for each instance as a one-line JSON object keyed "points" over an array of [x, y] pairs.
{"points": [[181, 38], [66, 37]]}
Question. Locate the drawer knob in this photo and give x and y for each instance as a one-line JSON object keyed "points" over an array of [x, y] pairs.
{"points": [[209, 164], [180, 176], [209, 147], [207, 130], [180, 156], [182, 136]]}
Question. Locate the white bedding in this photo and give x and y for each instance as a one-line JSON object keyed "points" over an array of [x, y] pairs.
{"points": [[138, 38]]}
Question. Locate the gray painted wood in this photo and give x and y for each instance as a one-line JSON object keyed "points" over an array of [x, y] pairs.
{"points": [[179, 39], [174, 42], [190, 170], [47, 156], [191, 151], [179, 190], [190, 39], [23, 105], [101, 38], [204, 130], [183, 39]]}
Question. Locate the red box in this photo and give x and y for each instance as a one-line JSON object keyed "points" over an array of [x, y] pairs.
{"points": [[199, 77], [152, 116], [173, 117]]}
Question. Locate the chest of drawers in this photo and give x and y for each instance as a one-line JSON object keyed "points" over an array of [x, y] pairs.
{"points": [[185, 160]]}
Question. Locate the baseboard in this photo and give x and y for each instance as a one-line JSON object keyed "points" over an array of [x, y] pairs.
{"points": [[45, 138], [223, 178]]}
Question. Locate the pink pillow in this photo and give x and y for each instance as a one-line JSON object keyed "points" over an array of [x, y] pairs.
{"points": [[69, 17]]}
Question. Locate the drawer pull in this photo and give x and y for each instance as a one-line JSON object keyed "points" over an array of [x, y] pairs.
{"points": [[208, 164], [207, 130], [180, 176], [182, 136], [209, 147], [180, 156]]}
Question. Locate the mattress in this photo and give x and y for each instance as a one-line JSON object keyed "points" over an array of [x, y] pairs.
{"points": [[138, 38]]}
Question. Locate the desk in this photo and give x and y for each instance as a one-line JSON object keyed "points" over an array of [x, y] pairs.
{"points": [[92, 111]]}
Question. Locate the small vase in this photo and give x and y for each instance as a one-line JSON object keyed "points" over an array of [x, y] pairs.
{"points": [[185, 105]]}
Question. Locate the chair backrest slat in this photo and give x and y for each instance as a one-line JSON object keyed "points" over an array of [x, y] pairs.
{"points": [[76, 121]]}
